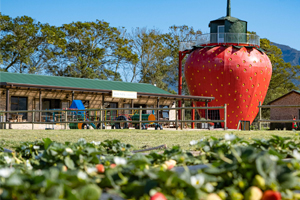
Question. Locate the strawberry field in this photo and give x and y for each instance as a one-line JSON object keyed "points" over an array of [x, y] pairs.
{"points": [[216, 168]]}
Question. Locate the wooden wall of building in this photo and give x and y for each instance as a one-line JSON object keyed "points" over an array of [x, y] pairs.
{"points": [[95, 99], [286, 113]]}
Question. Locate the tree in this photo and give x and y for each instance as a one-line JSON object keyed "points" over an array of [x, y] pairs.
{"points": [[154, 57], [93, 50], [158, 55], [24, 43], [178, 34], [283, 74]]}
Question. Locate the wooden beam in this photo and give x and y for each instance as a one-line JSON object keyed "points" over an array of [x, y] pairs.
{"points": [[73, 95], [157, 112]]}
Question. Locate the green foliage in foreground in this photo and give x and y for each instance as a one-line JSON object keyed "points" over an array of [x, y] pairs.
{"points": [[51, 170]]}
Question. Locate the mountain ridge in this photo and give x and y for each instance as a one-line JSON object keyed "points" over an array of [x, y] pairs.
{"points": [[289, 54]]}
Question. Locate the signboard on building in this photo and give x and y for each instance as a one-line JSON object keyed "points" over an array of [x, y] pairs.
{"points": [[124, 94]]}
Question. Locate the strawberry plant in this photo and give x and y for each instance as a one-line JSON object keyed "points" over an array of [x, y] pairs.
{"points": [[235, 169]]}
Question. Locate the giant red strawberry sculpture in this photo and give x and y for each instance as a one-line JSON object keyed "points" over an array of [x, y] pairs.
{"points": [[238, 77]]}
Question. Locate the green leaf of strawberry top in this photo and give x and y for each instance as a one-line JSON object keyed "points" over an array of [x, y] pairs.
{"points": [[237, 77]]}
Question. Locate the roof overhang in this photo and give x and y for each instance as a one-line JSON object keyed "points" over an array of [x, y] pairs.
{"points": [[141, 94]]}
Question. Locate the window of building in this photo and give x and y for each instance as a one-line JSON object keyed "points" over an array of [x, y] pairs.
{"points": [[127, 105], [164, 113], [51, 104], [138, 106], [19, 103]]}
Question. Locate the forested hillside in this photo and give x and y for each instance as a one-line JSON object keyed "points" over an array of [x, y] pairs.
{"points": [[289, 54]]}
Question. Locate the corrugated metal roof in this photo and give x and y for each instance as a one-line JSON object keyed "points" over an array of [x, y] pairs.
{"points": [[83, 83]]}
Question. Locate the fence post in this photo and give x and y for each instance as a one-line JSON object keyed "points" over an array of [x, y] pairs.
{"points": [[4, 124], [32, 119], [3, 121], [101, 117], [182, 115], [225, 116], [259, 118], [140, 118], [66, 115], [193, 116], [206, 111], [176, 118]]}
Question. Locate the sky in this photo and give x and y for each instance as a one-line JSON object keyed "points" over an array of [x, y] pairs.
{"points": [[276, 20]]}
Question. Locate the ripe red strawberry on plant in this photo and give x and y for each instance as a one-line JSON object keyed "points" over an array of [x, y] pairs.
{"points": [[158, 196], [170, 164], [271, 195], [237, 77], [100, 168]]}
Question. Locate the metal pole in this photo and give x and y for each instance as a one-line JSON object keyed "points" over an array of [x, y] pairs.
{"points": [[225, 116], [140, 118], [179, 81], [259, 124]]}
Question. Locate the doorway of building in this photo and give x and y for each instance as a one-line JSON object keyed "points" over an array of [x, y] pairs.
{"points": [[215, 115], [221, 34], [111, 114], [50, 104], [19, 103]]}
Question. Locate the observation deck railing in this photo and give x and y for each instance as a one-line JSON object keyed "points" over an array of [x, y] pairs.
{"points": [[222, 39]]}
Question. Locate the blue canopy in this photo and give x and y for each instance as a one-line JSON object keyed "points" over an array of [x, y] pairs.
{"points": [[77, 104]]}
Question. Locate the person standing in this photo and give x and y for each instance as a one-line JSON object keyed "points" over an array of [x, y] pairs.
{"points": [[295, 126]]}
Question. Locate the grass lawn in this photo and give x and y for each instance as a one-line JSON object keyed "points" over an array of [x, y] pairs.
{"points": [[138, 138]]}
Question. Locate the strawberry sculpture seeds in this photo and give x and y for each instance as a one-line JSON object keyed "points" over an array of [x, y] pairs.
{"points": [[237, 77]]}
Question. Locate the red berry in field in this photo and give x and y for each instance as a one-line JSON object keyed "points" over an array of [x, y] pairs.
{"points": [[271, 195], [237, 77], [158, 196], [100, 168], [170, 164], [113, 165]]}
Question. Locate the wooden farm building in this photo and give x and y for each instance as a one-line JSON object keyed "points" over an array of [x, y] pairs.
{"points": [[40, 92], [287, 113]]}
